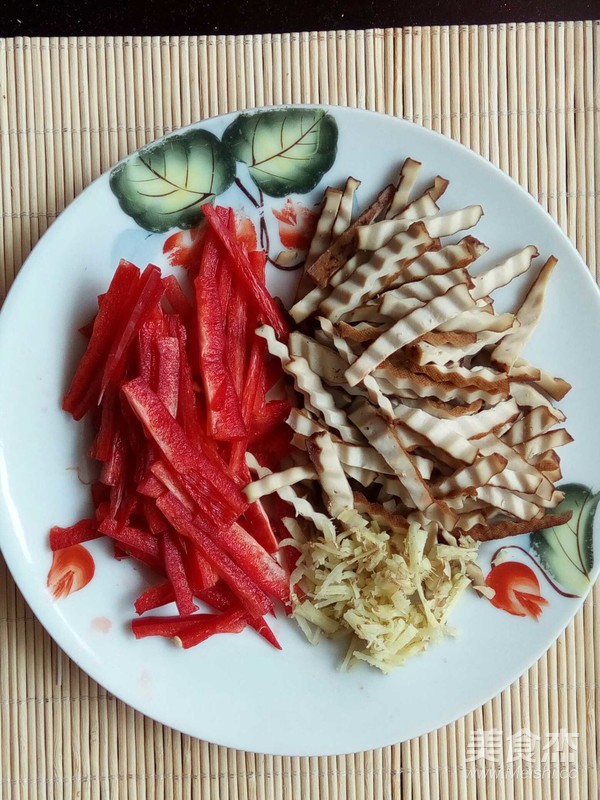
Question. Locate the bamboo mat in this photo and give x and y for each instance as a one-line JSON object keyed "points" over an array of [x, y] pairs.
{"points": [[525, 96]]}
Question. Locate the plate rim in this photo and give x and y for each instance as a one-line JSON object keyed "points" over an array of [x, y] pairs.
{"points": [[10, 554]]}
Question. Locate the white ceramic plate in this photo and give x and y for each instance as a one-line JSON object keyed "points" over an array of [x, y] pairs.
{"points": [[236, 690]]}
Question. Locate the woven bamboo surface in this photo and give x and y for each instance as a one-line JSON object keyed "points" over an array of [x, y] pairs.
{"points": [[525, 96]]}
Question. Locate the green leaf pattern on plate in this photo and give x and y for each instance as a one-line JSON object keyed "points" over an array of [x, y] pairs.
{"points": [[286, 150], [163, 185], [566, 551]]}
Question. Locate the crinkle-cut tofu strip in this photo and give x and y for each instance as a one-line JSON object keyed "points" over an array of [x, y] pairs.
{"points": [[503, 273], [369, 312], [509, 349], [409, 328], [376, 396], [477, 377], [556, 388], [305, 426], [321, 358], [301, 505], [476, 474], [277, 480], [439, 432], [321, 239], [317, 398], [384, 518], [423, 353], [334, 483], [423, 206], [324, 231], [345, 245], [491, 444], [442, 410], [543, 442], [389, 483], [435, 262], [502, 528], [368, 279], [354, 455], [330, 367], [536, 421], [392, 303], [396, 380], [406, 183], [343, 218], [384, 438], [528, 396], [484, 422], [476, 320], [378, 234], [517, 482], [508, 502], [371, 270]]}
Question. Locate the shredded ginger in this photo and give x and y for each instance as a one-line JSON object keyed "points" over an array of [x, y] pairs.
{"points": [[391, 590]]}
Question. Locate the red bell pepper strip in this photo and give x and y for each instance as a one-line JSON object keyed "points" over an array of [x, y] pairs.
{"points": [[200, 573], [167, 352], [237, 456], [255, 380], [123, 550], [102, 511], [245, 550], [272, 415], [187, 406], [113, 469], [220, 597], [258, 262], [169, 626], [196, 469], [224, 283], [150, 486], [100, 493], [128, 536], [253, 559], [243, 587], [85, 387], [174, 566], [273, 373], [230, 622], [269, 310], [170, 480], [155, 597], [256, 522], [101, 450], [144, 302], [155, 520], [225, 419], [262, 628], [83, 531], [176, 297], [271, 450], [237, 341], [145, 356], [87, 329]]}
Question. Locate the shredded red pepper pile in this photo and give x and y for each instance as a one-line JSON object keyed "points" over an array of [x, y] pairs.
{"points": [[177, 391]]}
